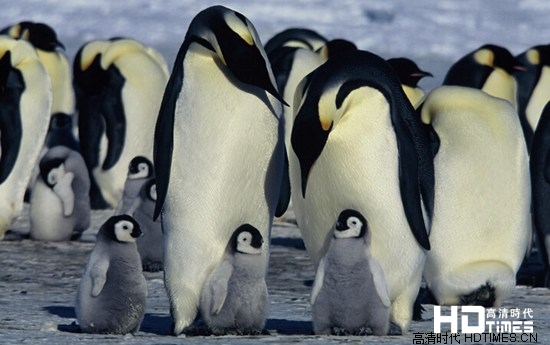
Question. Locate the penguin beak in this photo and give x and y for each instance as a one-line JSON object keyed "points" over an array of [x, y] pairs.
{"points": [[136, 232], [421, 74], [59, 44]]}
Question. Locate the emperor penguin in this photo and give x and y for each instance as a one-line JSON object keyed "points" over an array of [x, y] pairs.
{"points": [[119, 86], [533, 87], [489, 68], [25, 102], [296, 37], [219, 152], [150, 245], [60, 132], [234, 297], [60, 202], [112, 291], [140, 170], [481, 225], [540, 186], [51, 53], [410, 74], [350, 293], [357, 143]]}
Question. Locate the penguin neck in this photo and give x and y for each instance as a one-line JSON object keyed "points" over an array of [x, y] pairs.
{"points": [[340, 249]]}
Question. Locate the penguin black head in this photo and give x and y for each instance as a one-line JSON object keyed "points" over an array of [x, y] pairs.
{"points": [[40, 35], [60, 121], [407, 71], [51, 170], [121, 228], [149, 189], [350, 224], [295, 37], [335, 48], [234, 39], [140, 167], [247, 240], [473, 69]]}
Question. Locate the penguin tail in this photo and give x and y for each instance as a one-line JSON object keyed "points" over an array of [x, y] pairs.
{"points": [[484, 296]]}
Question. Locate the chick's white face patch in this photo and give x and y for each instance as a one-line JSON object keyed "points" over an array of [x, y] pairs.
{"points": [[123, 231]]}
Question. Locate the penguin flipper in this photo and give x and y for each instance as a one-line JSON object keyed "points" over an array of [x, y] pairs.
{"points": [[64, 191], [220, 280], [11, 128], [164, 131], [379, 280], [284, 196], [115, 119], [318, 282], [98, 274]]}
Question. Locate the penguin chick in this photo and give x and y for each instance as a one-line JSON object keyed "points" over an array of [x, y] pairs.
{"points": [[60, 202], [409, 75], [234, 297], [139, 170], [350, 292], [112, 291], [150, 245]]}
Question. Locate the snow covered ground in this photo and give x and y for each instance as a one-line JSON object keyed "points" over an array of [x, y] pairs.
{"points": [[38, 280]]}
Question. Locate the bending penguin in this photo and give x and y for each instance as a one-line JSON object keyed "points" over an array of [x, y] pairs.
{"points": [[25, 102], [202, 152], [489, 68], [50, 53], [112, 291], [350, 293], [540, 186], [410, 74], [234, 297], [355, 105], [119, 86], [480, 145], [60, 202]]}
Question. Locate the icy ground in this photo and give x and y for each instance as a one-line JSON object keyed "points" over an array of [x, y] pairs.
{"points": [[38, 283], [38, 280]]}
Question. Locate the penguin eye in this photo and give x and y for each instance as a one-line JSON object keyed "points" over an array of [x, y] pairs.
{"points": [[353, 221], [142, 167]]}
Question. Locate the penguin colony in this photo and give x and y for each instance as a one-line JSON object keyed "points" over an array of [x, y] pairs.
{"points": [[390, 186]]}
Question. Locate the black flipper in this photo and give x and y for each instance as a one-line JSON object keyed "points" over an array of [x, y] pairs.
{"points": [[164, 130], [12, 86], [284, 196], [115, 118]]}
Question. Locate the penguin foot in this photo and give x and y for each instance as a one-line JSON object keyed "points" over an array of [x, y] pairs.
{"points": [[395, 329], [340, 331], [152, 266], [483, 296], [13, 236]]}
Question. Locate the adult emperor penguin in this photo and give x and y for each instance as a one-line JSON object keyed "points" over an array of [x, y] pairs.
{"points": [[60, 202], [540, 182], [25, 102], [234, 297], [112, 291], [483, 195], [119, 87], [150, 245], [357, 143], [410, 74], [140, 170], [219, 151], [296, 37], [533, 87], [50, 53], [489, 68], [350, 292]]}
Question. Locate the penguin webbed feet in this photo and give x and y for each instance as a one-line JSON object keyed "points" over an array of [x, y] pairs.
{"points": [[484, 296]]}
